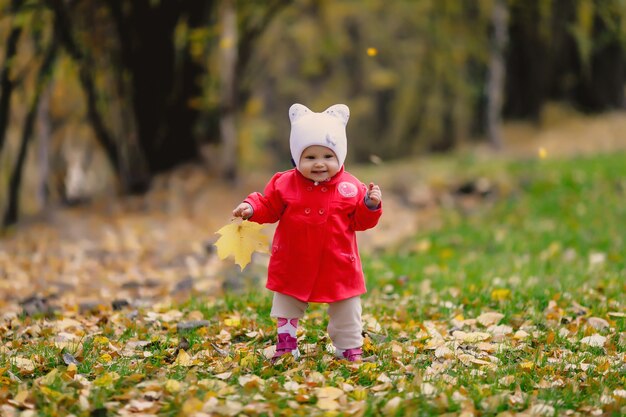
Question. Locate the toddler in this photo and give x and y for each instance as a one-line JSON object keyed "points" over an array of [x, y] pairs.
{"points": [[314, 255]]}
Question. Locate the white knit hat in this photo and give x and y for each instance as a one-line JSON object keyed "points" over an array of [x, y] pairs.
{"points": [[326, 129]]}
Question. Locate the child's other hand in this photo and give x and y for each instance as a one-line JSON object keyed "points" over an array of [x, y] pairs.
{"points": [[374, 195], [243, 210]]}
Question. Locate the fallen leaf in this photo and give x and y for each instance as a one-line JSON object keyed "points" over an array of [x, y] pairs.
{"points": [[517, 398], [224, 375], [444, 352], [595, 340], [139, 405], [107, 379], [25, 365], [69, 359], [240, 240], [598, 323], [500, 294], [472, 337], [173, 386], [428, 390], [49, 378], [331, 393], [183, 359], [250, 381], [391, 407], [490, 318], [191, 406], [542, 410], [327, 404], [520, 335]]}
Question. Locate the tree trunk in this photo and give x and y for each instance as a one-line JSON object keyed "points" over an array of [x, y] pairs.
{"points": [[64, 32], [528, 63], [12, 211], [600, 88], [497, 73], [45, 132], [6, 84], [161, 91], [228, 90]]}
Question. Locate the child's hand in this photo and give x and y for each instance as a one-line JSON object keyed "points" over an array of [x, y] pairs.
{"points": [[374, 195], [243, 210]]}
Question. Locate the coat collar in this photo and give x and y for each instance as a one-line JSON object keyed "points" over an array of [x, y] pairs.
{"points": [[333, 180]]}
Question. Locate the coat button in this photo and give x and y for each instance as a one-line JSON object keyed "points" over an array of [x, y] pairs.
{"points": [[324, 189], [321, 211], [309, 188], [307, 210]]}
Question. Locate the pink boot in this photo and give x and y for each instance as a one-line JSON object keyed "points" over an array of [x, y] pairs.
{"points": [[352, 355], [287, 342]]}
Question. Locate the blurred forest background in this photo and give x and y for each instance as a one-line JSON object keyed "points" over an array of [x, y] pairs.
{"points": [[99, 97]]}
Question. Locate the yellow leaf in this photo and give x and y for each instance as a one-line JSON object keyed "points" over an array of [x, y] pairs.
{"points": [[372, 51], [100, 340], [106, 358], [240, 240], [107, 379], [21, 398], [527, 365], [327, 404], [183, 359], [53, 395], [50, 378], [359, 394], [500, 294], [173, 386], [331, 393], [248, 360], [192, 406], [233, 321]]}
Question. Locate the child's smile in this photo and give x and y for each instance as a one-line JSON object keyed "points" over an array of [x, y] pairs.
{"points": [[318, 163]]}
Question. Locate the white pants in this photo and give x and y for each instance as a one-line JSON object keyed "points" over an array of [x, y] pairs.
{"points": [[344, 318]]}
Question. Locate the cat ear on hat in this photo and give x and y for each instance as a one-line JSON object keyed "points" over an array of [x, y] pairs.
{"points": [[339, 111], [296, 111]]}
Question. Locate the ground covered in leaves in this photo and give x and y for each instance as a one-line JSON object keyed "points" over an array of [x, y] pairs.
{"points": [[509, 301]]}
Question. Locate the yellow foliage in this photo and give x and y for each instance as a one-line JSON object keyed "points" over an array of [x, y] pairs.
{"points": [[500, 294], [240, 240]]}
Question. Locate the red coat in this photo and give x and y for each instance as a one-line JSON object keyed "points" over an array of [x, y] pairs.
{"points": [[314, 251]]}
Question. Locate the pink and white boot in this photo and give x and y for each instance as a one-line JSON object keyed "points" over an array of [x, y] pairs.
{"points": [[351, 355], [287, 341]]}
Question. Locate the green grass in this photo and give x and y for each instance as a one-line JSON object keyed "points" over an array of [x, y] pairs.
{"points": [[548, 254], [558, 237]]}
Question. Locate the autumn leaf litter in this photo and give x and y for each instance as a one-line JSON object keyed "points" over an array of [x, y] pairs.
{"points": [[494, 349]]}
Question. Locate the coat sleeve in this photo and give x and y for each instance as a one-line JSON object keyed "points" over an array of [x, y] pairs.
{"points": [[365, 218], [269, 206]]}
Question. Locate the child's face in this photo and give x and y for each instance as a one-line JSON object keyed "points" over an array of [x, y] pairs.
{"points": [[318, 163]]}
